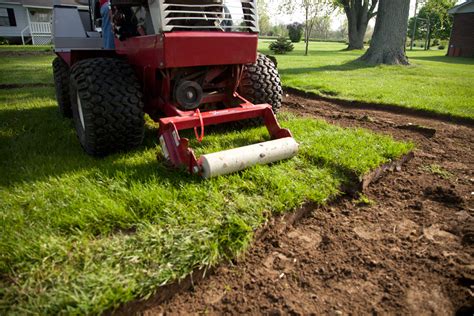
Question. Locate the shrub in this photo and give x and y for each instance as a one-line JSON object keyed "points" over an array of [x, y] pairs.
{"points": [[435, 42], [4, 41], [281, 46], [295, 32], [441, 47]]}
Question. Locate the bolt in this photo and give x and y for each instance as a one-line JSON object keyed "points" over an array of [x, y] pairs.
{"points": [[195, 169]]}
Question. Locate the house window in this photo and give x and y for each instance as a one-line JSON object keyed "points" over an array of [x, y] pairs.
{"points": [[7, 17], [40, 16]]}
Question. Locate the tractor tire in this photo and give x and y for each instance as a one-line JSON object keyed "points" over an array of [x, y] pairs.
{"points": [[107, 106], [261, 83], [61, 83]]}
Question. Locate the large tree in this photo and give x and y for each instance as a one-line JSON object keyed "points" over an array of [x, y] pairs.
{"points": [[312, 10], [388, 42], [358, 13]]}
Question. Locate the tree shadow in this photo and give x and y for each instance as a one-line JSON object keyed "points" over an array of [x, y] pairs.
{"points": [[446, 59], [37, 144], [348, 66]]}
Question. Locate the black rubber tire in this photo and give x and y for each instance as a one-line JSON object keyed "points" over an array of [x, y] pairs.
{"points": [[261, 83], [61, 83], [112, 106]]}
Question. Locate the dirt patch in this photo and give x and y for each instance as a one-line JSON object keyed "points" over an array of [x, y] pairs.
{"points": [[394, 108], [410, 251]]}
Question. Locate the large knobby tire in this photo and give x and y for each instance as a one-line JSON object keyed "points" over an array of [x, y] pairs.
{"points": [[261, 83], [61, 83], [107, 106]]}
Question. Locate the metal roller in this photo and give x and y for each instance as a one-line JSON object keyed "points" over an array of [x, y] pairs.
{"points": [[233, 160]]}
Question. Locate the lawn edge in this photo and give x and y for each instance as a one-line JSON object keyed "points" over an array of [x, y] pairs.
{"points": [[278, 223], [384, 107]]}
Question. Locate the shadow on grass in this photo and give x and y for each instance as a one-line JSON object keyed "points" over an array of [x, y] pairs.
{"points": [[37, 143], [446, 59], [349, 66]]}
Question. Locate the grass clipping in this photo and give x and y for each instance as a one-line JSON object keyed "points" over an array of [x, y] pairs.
{"points": [[81, 235]]}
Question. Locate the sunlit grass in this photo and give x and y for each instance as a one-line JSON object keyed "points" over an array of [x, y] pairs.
{"points": [[433, 82], [26, 69], [81, 235]]}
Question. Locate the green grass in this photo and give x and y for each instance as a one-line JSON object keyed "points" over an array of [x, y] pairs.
{"points": [[433, 82], [26, 69], [81, 235], [26, 48]]}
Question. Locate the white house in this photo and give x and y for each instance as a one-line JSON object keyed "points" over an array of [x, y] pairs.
{"points": [[29, 21]]}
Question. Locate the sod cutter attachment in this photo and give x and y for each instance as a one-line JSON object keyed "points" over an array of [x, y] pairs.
{"points": [[177, 151]]}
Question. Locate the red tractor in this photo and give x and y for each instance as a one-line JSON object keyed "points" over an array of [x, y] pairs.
{"points": [[187, 64]]}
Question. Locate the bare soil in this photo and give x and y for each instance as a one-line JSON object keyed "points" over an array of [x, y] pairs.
{"points": [[407, 250]]}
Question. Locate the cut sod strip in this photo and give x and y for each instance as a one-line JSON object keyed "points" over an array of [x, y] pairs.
{"points": [[83, 235]]}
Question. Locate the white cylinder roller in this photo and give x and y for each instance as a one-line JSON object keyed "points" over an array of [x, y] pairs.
{"points": [[228, 161]]}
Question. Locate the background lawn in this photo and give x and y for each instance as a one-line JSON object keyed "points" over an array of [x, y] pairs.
{"points": [[26, 69], [82, 235], [26, 48], [433, 82]]}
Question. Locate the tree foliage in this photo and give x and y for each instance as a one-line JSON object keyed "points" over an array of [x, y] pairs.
{"points": [[263, 17], [312, 9], [281, 46], [440, 22], [295, 31], [322, 26]]}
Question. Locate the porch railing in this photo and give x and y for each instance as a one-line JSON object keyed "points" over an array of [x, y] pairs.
{"points": [[40, 27], [40, 33]]}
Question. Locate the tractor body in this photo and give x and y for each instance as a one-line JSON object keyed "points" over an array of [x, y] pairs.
{"points": [[188, 64]]}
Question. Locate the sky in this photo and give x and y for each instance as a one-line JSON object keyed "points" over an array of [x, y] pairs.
{"points": [[336, 21]]}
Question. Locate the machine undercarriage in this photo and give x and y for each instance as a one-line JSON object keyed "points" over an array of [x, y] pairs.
{"points": [[187, 64]]}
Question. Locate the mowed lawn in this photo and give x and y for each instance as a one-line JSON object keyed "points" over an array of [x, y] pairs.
{"points": [[433, 81], [81, 235]]}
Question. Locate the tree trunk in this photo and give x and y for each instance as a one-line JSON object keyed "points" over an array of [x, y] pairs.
{"points": [[357, 21], [388, 42], [358, 13], [356, 37], [307, 31]]}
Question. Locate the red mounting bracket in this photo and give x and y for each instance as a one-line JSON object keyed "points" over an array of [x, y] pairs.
{"points": [[176, 149]]}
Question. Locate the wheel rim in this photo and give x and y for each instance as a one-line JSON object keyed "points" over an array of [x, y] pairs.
{"points": [[79, 109]]}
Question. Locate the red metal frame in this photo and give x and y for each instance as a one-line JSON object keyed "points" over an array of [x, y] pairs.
{"points": [[177, 150], [158, 61]]}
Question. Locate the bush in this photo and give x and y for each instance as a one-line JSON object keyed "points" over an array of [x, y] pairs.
{"points": [[295, 32], [4, 41], [281, 46], [441, 47], [435, 42]]}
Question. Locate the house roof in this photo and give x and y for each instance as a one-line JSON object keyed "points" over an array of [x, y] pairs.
{"points": [[466, 7], [45, 3]]}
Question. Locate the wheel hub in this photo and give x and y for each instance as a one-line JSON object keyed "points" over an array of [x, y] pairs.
{"points": [[79, 110], [188, 95]]}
